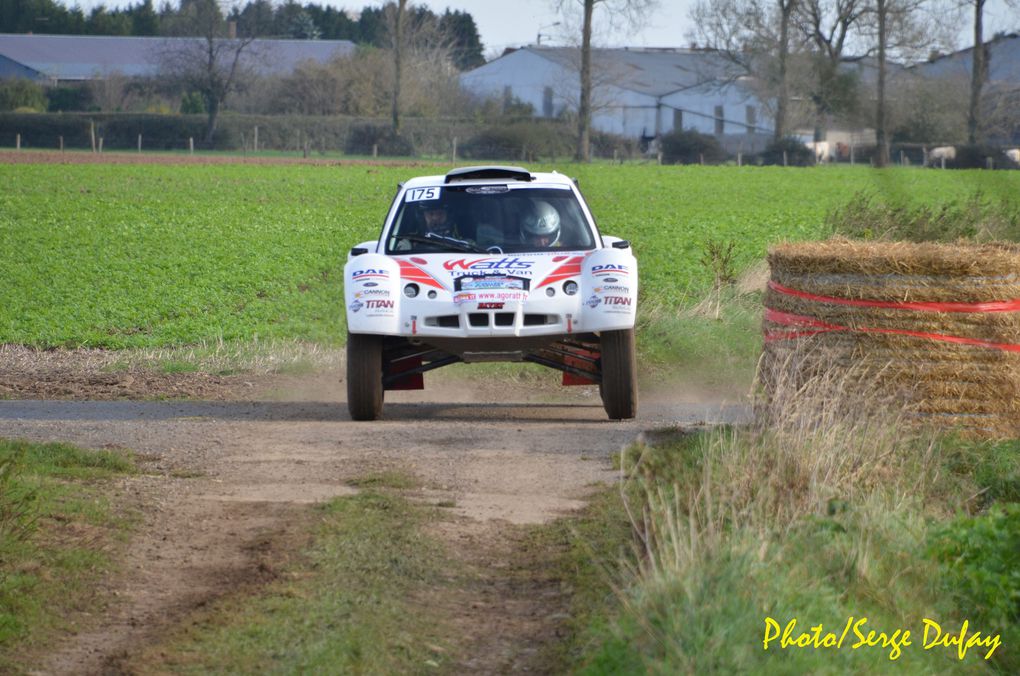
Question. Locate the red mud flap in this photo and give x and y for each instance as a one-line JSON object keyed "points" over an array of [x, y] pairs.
{"points": [[571, 379], [412, 381]]}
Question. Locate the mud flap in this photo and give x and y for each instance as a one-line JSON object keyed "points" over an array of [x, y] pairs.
{"points": [[412, 381]]}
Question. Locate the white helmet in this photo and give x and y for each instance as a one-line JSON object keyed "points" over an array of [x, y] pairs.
{"points": [[542, 221]]}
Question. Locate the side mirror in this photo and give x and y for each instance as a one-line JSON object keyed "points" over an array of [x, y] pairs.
{"points": [[358, 250], [622, 244]]}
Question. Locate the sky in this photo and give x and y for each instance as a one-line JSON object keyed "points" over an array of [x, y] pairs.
{"points": [[514, 23]]}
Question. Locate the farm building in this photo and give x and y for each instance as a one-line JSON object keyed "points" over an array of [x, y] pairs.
{"points": [[636, 92], [56, 59]]}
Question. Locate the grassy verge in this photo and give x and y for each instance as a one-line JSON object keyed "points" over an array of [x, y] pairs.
{"points": [[57, 526], [844, 517], [342, 606]]}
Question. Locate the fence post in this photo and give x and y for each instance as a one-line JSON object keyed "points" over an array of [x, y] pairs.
{"points": [[139, 143], [17, 142], [100, 145], [255, 140], [658, 157], [375, 150], [61, 144], [989, 163], [454, 153], [701, 159], [943, 161], [902, 158], [784, 158], [306, 147], [740, 159], [92, 134], [191, 145], [851, 154]]}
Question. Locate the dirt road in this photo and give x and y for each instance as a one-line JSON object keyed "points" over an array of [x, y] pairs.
{"points": [[224, 482]]}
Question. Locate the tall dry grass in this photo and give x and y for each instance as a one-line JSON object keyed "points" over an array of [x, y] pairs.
{"points": [[819, 509]]}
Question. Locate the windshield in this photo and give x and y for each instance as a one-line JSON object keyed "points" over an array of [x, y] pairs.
{"points": [[489, 218]]}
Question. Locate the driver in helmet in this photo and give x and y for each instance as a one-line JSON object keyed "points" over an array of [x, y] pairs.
{"points": [[540, 227], [436, 217]]}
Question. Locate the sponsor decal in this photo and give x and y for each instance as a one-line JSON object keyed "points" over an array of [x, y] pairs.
{"points": [[369, 274], [490, 306], [495, 296], [370, 284], [372, 292], [593, 302], [486, 189], [490, 282], [380, 304], [504, 264], [356, 305], [617, 300], [609, 269], [609, 280], [611, 288]]}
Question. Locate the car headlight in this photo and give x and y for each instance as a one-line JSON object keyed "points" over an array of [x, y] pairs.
{"points": [[411, 290], [570, 288]]}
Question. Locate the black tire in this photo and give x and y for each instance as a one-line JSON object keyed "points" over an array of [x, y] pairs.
{"points": [[364, 376], [619, 374]]}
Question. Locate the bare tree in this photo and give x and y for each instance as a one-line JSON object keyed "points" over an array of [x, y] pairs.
{"points": [[979, 67], [755, 37], [904, 28], [214, 64], [621, 13], [830, 28], [397, 11]]}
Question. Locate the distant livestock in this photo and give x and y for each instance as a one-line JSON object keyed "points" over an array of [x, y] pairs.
{"points": [[1014, 154], [939, 155]]}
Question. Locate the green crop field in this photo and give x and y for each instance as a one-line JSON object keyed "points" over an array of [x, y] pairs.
{"points": [[152, 255]]}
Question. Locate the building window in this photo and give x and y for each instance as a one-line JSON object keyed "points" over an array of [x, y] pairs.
{"points": [[678, 120], [752, 119], [720, 124], [547, 102]]}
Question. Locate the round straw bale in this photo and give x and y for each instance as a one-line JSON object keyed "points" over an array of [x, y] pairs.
{"points": [[947, 367]]}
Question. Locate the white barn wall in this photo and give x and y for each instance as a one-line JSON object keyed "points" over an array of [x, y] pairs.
{"points": [[616, 109]]}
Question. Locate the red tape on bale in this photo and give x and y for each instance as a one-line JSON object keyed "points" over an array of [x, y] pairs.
{"points": [[816, 326], [992, 306]]}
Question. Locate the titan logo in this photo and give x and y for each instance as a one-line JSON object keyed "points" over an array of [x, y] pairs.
{"points": [[616, 300], [382, 304]]}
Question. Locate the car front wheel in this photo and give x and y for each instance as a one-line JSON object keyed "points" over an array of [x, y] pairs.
{"points": [[364, 376], [619, 374]]}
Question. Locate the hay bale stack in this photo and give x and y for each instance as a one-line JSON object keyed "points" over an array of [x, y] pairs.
{"points": [[935, 325]]}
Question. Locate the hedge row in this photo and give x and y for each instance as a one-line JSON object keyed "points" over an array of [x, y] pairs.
{"points": [[120, 131], [515, 139]]}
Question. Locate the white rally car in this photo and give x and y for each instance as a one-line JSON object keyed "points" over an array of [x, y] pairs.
{"points": [[490, 264]]}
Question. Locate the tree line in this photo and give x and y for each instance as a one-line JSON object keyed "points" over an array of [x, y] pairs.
{"points": [[257, 18], [806, 58]]}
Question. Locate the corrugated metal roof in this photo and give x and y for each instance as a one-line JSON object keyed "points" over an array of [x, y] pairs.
{"points": [[84, 57], [655, 72]]}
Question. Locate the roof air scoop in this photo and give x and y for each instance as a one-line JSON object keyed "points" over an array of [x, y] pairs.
{"points": [[476, 173]]}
